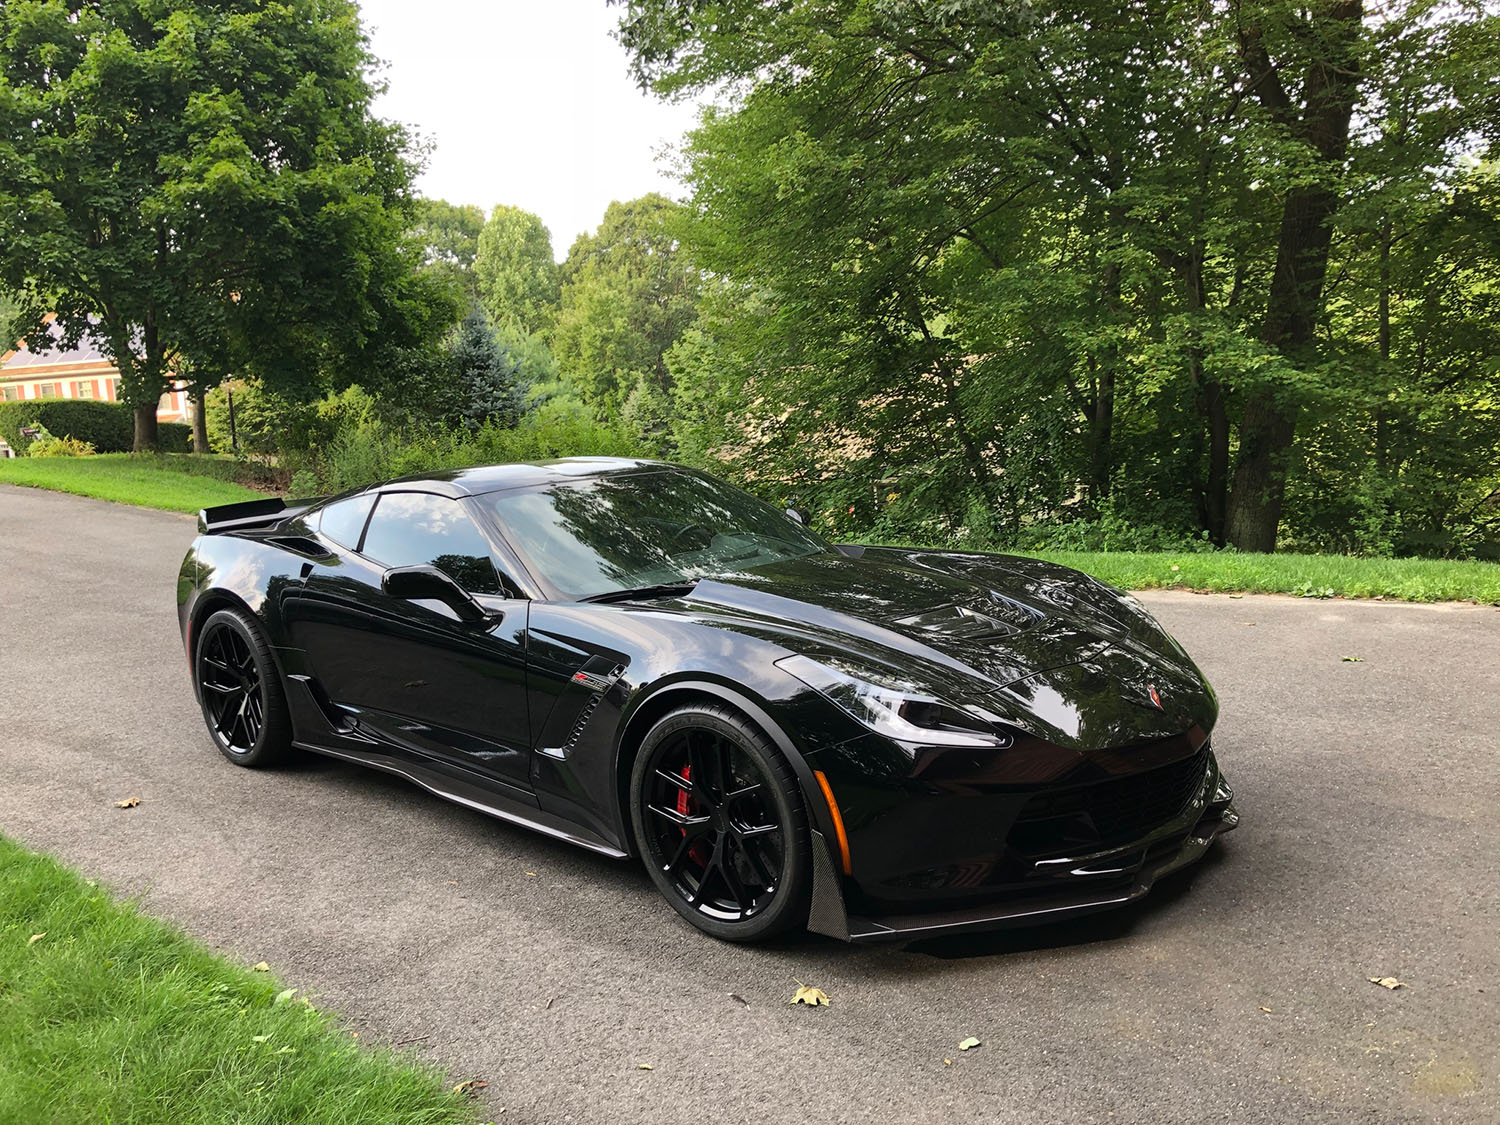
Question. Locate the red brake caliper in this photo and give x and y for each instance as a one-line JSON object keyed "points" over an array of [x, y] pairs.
{"points": [[696, 851]]}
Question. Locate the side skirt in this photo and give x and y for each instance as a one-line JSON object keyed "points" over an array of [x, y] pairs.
{"points": [[478, 799]]}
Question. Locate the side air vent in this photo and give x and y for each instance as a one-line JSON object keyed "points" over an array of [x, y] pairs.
{"points": [[301, 545]]}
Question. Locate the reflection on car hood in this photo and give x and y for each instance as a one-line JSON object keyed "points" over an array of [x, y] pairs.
{"points": [[964, 623]]}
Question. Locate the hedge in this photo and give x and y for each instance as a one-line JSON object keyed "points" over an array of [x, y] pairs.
{"points": [[109, 426], [174, 437]]}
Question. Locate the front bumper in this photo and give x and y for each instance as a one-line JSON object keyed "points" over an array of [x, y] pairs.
{"points": [[1075, 885]]}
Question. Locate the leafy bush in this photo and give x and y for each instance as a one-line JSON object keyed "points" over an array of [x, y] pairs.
{"points": [[174, 437], [108, 426], [304, 483], [46, 445], [1111, 531], [365, 450]]}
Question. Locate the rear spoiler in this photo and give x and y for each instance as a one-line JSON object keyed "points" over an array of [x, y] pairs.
{"points": [[250, 515]]}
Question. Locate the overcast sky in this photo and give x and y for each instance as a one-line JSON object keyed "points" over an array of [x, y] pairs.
{"points": [[526, 102]]}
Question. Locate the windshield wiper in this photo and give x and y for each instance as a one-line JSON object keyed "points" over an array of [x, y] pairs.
{"points": [[637, 593]]}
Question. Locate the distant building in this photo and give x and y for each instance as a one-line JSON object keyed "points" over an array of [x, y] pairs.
{"points": [[79, 372]]}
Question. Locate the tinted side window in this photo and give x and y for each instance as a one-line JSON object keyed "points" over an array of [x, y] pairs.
{"points": [[342, 522], [417, 528]]}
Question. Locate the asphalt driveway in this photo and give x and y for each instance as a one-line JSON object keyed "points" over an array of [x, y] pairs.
{"points": [[1370, 847]]}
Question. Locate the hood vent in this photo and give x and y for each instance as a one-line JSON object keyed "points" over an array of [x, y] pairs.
{"points": [[1001, 618]]}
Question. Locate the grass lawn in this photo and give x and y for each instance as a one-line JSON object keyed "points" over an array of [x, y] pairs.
{"points": [[111, 1015], [147, 481], [1415, 580]]}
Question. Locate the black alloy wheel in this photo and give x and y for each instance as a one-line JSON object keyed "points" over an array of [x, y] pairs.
{"points": [[239, 690], [720, 824]]}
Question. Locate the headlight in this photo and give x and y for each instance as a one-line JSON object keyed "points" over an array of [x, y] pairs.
{"points": [[893, 707]]}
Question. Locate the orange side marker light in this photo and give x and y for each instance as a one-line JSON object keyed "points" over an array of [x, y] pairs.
{"points": [[838, 820]]}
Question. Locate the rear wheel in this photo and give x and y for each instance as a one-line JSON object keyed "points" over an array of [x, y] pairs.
{"points": [[240, 691], [720, 824]]}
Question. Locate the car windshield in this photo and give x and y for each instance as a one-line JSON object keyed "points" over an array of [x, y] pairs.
{"points": [[594, 536]]}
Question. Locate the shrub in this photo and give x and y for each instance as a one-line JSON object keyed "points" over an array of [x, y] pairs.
{"points": [[264, 423], [108, 426], [365, 450], [1111, 531], [174, 437], [46, 445], [270, 425]]}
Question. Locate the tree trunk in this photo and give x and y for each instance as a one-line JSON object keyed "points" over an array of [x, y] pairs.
{"points": [[1102, 418], [1216, 488], [1255, 504], [1101, 435], [973, 455], [1296, 295], [1383, 337], [1213, 492], [147, 439], [200, 422]]}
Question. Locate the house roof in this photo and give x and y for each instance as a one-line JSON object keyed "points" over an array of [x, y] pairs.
{"points": [[53, 354]]}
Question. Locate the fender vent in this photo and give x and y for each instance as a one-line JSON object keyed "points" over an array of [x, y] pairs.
{"points": [[583, 720]]}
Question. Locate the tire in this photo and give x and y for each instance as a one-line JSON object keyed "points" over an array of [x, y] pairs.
{"points": [[239, 690], [732, 855]]}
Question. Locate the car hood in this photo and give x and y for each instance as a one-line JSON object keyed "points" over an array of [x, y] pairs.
{"points": [[967, 624]]}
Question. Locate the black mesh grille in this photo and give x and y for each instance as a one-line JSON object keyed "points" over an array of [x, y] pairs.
{"points": [[1108, 812]]}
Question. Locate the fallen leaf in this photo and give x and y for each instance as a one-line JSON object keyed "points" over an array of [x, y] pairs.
{"points": [[735, 996], [284, 996], [1175, 569], [1236, 596], [532, 874], [1266, 1010], [968, 1044], [947, 1062], [128, 803], [812, 997], [261, 967], [1389, 982], [472, 1086], [1247, 623], [644, 1066], [34, 938], [1352, 659]]}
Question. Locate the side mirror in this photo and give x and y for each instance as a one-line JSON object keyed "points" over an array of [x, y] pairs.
{"points": [[424, 583], [799, 515]]}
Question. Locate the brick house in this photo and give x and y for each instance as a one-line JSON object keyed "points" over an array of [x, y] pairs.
{"points": [[79, 372]]}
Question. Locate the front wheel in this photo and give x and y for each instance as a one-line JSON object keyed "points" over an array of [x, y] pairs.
{"points": [[240, 691], [721, 826]]}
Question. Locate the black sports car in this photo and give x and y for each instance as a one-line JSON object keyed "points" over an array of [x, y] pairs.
{"points": [[871, 742]]}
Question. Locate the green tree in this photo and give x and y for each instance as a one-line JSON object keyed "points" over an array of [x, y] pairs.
{"points": [[202, 185], [489, 383], [1002, 264], [449, 236], [516, 273], [628, 293]]}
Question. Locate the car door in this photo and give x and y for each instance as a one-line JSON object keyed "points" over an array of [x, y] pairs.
{"points": [[412, 673]]}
